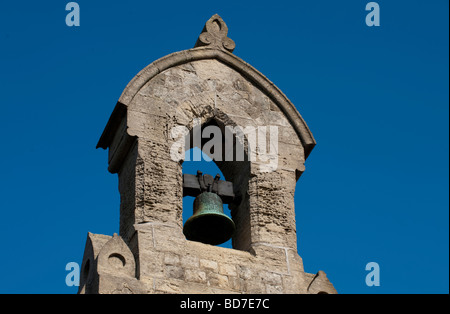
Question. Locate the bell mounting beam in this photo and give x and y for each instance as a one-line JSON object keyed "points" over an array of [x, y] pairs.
{"points": [[194, 185]]}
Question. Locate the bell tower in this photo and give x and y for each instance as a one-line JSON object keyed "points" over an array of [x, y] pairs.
{"points": [[259, 141]]}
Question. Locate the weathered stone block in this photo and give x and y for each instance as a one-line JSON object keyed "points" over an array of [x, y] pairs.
{"points": [[217, 280], [195, 276], [209, 265], [227, 269]]}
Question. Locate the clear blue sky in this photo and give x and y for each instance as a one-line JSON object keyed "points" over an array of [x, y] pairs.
{"points": [[376, 99]]}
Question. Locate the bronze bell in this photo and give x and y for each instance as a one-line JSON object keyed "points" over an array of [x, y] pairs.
{"points": [[209, 224]]}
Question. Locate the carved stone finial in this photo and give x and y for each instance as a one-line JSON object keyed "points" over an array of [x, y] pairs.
{"points": [[214, 34]]}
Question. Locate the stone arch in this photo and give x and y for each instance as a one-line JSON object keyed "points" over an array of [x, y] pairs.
{"points": [[236, 171], [228, 59], [203, 89], [206, 82]]}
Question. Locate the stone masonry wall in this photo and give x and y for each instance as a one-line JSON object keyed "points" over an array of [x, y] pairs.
{"points": [[168, 264], [208, 90], [151, 255]]}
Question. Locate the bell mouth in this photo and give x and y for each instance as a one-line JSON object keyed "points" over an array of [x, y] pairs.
{"points": [[209, 228]]}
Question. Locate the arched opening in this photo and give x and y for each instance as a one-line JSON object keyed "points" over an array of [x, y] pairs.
{"points": [[207, 166], [213, 152]]}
